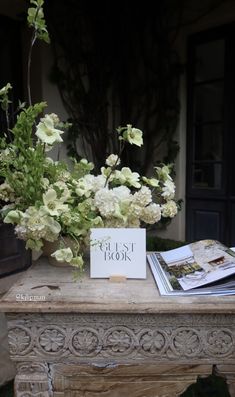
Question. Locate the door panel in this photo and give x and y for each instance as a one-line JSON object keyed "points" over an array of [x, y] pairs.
{"points": [[210, 191], [206, 220]]}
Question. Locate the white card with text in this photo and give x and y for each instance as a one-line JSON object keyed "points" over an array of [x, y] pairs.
{"points": [[118, 252]]}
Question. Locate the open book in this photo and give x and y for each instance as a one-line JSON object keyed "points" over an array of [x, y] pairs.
{"points": [[205, 267]]}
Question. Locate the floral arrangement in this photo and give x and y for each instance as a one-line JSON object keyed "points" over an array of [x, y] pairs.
{"points": [[49, 200]]}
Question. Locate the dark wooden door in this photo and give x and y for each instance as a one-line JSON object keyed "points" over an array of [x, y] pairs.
{"points": [[13, 256], [210, 190]]}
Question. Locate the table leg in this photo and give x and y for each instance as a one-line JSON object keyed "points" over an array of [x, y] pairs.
{"points": [[227, 372], [32, 379]]}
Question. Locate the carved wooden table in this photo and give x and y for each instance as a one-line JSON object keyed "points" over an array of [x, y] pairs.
{"points": [[95, 338]]}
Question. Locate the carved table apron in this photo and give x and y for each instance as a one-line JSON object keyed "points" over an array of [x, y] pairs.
{"points": [[95, 338]]}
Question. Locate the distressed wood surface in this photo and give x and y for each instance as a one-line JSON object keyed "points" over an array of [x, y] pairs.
{"points": [[44, 288], [123, 381], [93, 337]]}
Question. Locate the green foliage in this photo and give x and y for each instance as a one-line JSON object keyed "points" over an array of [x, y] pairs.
{"points": [[36, 20], [155, 243], [22, 162], [4, 100], [213, 386], [22, 130]]}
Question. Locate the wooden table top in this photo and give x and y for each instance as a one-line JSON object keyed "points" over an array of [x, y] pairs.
{"points": [[45, 288]]}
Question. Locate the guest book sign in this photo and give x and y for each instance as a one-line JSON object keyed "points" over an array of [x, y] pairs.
{"points": [[118, 252]]}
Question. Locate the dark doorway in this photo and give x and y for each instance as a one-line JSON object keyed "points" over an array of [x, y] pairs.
{"points": [[210, 191], [13, 256]]}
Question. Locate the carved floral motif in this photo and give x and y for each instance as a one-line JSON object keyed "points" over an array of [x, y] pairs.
{"points": [[220, 342], [186, 342], [119, 340], [19, 340], [112, 336], [85, 342], [152, 342], [52, 340]]}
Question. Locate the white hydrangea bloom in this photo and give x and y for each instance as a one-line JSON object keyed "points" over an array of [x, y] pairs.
{"points": [[98, 183], [169, 209], [107, 203], [133, 222], [135, 210], [143, 197], [168, 190], [151, 214], [21, 232], [114, 222], [121, 192], [6, 192]]}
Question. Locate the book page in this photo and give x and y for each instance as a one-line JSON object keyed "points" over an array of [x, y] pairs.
{"points": [[198, 264]]}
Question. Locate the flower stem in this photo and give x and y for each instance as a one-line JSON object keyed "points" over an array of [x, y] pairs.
{"points": [[115, 164], [34, 37]]}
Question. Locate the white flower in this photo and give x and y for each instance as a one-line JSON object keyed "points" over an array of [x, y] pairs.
{"points": [[84, 186], [54, 117], [63, 255], [169, 209], [133, 222], [45, 183], [121, 192], [13, 216], [151, 214], [135, 210], [164, 172], [112, 160], [65, 192], [98, 183], [131, 178], [46, 131], [114, 223], [168, 190], [21, 232], [151, 181], [6, 192], [133, 135], [4, 90], [107, 203], [143, 197], [52, 204]]}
